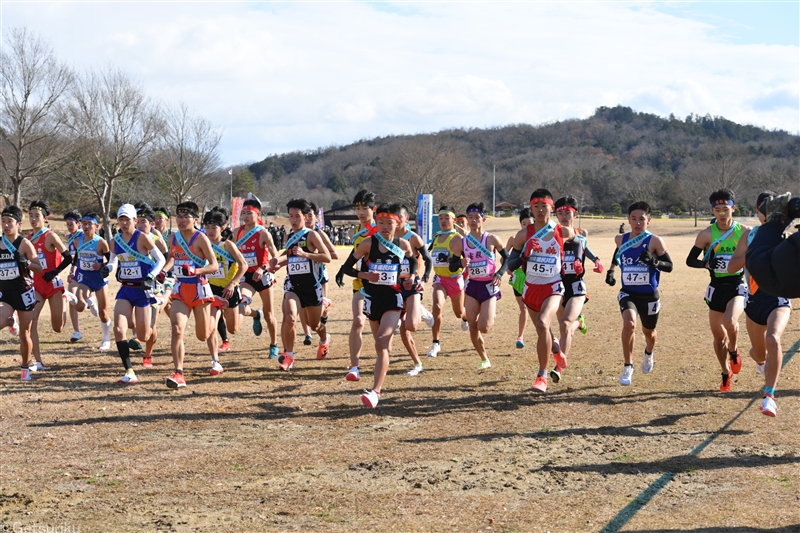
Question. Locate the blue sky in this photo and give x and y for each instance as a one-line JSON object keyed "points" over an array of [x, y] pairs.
{"points": [[277, 77]]}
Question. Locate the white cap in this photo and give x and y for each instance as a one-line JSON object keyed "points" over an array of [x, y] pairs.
{"points": [[127, 210]]}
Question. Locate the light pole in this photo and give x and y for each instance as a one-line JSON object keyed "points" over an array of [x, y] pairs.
{"points": [[230, 173], [494, 190]]}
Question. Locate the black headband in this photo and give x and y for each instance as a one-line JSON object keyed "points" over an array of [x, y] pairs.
{"points": [[12, 215], [187, 211]]}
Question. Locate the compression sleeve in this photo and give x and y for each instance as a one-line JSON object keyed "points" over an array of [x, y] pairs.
{"points": [[514, 260], [348, 267], [426, 257], [412, 264], [588, 253], [455, 263], [504, 266], [614, 260], [664, 263], [66, 260], [156, 254], [111, 263], [692, 259]]}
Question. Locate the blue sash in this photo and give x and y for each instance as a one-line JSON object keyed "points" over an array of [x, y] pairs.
{"points": [[297, 237], [182, 243], [719, 240], [9, 245], [74, 237], [222, 252], [475, 243], [39, 234], [247, 235], [361, 232], [547, 228], [87, 244], [392, 247], [130, 251], [631, 243]]}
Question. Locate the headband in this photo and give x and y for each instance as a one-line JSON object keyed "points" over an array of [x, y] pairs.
{"points": [[70, 218], [448, 213], [566, 208], [91, 219], [388, 215], [722, 202], [37, 208], [12, 215], [162, 213], [252, 208], [548, 201], [187, 211], [145, 215], [364, 204]]}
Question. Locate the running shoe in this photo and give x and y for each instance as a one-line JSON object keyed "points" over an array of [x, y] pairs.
{"points": [[273, 351], [134, 344], [92, 304], [225, 346], [435, 349], [176, 381], [353, 375], [285, 361], [25, 374], [257, 327], [736, 361], [105, 346], [70, 298], [147, 362], [582, 324], [725, 386], [129, 377], [760, 368], [464, 325], [540, 385], [427, 317], [768, 406], [627, 375], [14, 328], [416, 370], [76, 336], [555, 374], [370, 398], [36, 366], [561, 359], [485, 365], [307, 340], [326, 302], [520, 343], [647, 363], [322, 351], [216, 368]]}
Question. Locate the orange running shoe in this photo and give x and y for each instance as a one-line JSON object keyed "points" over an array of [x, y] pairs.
{"points": [[736, 361], [322, 351], [147, 362], [725, 386], [561, 359], [285, 361], [225, 346], [540, 385], [176, 381]]}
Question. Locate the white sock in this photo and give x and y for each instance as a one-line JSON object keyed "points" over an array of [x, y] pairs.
{"points": [[106, 328]]}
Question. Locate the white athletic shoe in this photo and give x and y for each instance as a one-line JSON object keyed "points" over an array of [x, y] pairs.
{"points": [[464, 325], [14, 329], [627, 374], [370, 398], [36, 366], [435, 349], [105, 346], [647, 363], [768, 406], [416, 370], [76, 336], [216, 368], [70, 298], [91, 303], [427, 317], [760, 369]]}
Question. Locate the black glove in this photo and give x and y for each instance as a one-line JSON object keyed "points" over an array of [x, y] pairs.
{"points": [[610, 278], [647, 258], [105, 271], [147, 284], [47, 277], [21, 259], [340, 278]]}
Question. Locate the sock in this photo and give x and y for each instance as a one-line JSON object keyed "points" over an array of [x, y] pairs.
{"points": [[647, 353], [179, 371], [222, 329], [541, 373], [630, 365], [770, 391], [106, 328], [124, 354], [273, 345], [324, 319], [436, 341]]}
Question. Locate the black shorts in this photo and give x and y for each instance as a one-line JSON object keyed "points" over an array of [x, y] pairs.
{"points": [[516, 294], [375, 307], [20, 300], [233, 301], [573, 289], [647, 306], [758, 308], [718, 295], [309, 295], [266, 281]]}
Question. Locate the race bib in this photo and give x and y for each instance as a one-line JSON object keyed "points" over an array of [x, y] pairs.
{"points": [[405, 269], [492, 289], [721, 263], [29, 297], [540, 267], [569, 264], [251, 259], [217, 273], [42, 260], [9, 270], [57, 282], [478, 269], [130, 270], [298, 265], [388, 273], [177, 271], [636, 275], [87, 261], [441, 258]]}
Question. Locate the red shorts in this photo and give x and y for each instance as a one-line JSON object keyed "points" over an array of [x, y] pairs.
{"points": [[452, 286], [192, 294], [48, 289], [535, 295]]}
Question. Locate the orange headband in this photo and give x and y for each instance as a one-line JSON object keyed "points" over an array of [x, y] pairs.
{"points": [[566, 208], [547, 201], [388, 215]]}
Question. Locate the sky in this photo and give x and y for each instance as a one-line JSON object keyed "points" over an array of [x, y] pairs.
{"points": [[281, 76]]}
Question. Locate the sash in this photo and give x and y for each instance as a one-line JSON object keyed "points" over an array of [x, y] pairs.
{"points": [[631, 243], [87, 244], [9, 245], [222, 252], [185, 247], [294, 239], [74, 237], [130, 251], [438, 233], [247, 235], [751, 235], [719, 240], [392, 247], [547, 228], [361, 232], [475, 243], [408, 234], [38, 234]]}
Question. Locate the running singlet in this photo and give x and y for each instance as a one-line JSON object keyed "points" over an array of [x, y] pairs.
{"points": [[440, 252], [130, 269], [226, 271], [303, 272], [180, 258], [251, 249], [405, 269], [481, 268], [637, 276], [87, 256], [723, 253], [13, 279], [387, 265], [543, 257], [48, 260], [574, 251], [360, 234]]}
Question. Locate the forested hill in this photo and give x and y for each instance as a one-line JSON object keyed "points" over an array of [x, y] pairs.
{"points": [[613, 157]]}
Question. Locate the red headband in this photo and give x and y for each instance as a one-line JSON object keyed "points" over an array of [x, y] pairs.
{"points": [[388, 215], [547, 201], [252, 208], [566, 208]]}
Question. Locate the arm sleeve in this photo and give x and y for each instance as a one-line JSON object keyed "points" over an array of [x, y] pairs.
{"points": [[349, 266], [111, 262], [156, 254], [412, 264], [426, 257], [588, 253], [514, 260], [692, 259], [455, 263], [664, 263], [504, 265], [614, 260], [66, 260]]}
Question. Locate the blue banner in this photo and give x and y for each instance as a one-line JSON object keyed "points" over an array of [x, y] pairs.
{"points": [[425, 217]]}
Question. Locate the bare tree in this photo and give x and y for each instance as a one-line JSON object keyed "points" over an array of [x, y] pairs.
{"points": [[32, 86], [430, 164], [187, 155], [114, 125]]}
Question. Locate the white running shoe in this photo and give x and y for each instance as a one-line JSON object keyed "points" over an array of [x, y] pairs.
{"points": [[760, 369], [627, 374], [435, 349], [485, 365], [353, 374], [76, 336], [370, 398], [416, 370], [768, 406], [70, 298], [647, 363], [25, 375], [216, 368], [91, 303], [14, 329], [129, 377], [464, 325], [427, 317], [36, 366], [105, 346]]}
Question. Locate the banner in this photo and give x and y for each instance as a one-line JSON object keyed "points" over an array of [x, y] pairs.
{"points": [[321, 218], [425, 217], [236, 211]]}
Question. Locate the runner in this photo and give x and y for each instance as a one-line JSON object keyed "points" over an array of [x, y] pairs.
{"points": [[191, 259], [412, 293], [642, 257], [304, 254], [767, 316], [74, 231], [448, 281], [382, 254], [313, 224], [517, 280], [140, 261], [224, 282], [53, 258], [162, 222], [364, 202], [725, 294], [162, 286], [85, 277], [576, 251], [18, 260], [256, 245], [541, 246]]}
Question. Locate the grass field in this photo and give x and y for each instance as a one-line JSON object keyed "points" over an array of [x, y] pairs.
{"points": [[453, 449]]}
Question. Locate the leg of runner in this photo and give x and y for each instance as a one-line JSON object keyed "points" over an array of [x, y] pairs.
{"points": [[439, 296], [269, 315], [383, 332], [458, 309], [720, 333], [26, 345], [213, 343], [178, 317], [356, 329], [544, 341], [101, 296], [313, 315], [477, 325], [758, 344], [628, 337], [58, 315], [233, 320], [306, 330], [411, 347], [291, 307], [776, 324], [522, 322], [122, 310], [730, 322], [35, 334], [568, 323], [203, 325]]}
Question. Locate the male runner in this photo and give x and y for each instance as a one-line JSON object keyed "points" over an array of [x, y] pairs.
{"points": [[313, 224], [772, 259], [517, 280], [161, 221], [163, 284], [725, 294], [642, 256]]}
